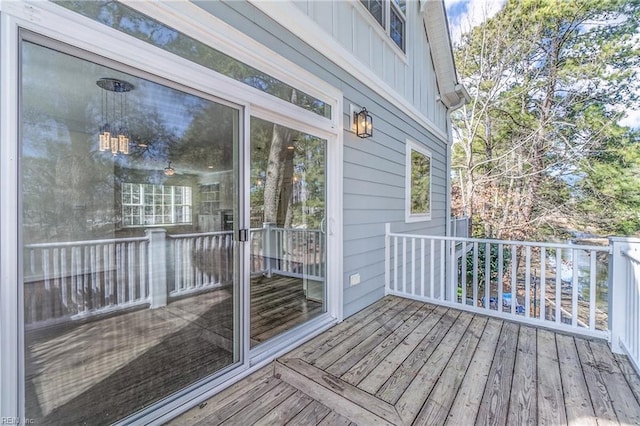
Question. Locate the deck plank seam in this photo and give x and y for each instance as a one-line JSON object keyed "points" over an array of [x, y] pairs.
{"points": [[456, 342], [419, 347], [385, 333], [466, 370], [351, 331], [435, 384], [626, 378], [424, 312]]}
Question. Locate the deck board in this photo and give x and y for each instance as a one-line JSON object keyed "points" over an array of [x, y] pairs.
{"points": [[391, 317], [348, 360], [434, 365], [598, 392], [285, 411], [576, 396], [523, 404], [402, 377], [551, 407], [369, 362], [436, 408], [624, 402], [412, 399], [466, 405]]}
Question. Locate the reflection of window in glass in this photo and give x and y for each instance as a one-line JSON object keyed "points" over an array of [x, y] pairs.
{"points": [[375, 7], [88, 262], [209, 198], [129, 21], [144, 204], [396, 11], [418, 183]]}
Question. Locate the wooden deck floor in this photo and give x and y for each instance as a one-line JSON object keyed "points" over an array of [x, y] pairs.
{"points": [[98, 371], [401, 362]]}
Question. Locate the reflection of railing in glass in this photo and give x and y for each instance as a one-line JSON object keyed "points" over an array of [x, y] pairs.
{"points": [[79, 279]]}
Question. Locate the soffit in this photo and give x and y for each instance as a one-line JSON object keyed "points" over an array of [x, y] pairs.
{"points": [[452, 93]]}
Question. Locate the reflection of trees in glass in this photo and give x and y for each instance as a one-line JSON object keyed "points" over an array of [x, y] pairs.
{"points": [[129, 21], [71, 190], [207, 142], [287, 176], [420, 183]]}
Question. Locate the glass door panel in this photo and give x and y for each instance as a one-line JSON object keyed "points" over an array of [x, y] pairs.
{"points": [[288, 241], [129, 203]]}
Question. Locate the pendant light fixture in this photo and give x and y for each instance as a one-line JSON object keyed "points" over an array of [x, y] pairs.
{"points": [[169, 171], [114, 135]]}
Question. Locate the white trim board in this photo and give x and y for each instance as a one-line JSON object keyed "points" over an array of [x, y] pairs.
{"points": [[294, 20], [197, 23], [408, 216], [63, 25]]}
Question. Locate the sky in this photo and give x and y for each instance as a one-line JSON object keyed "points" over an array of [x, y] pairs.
{"points": [[466, 14]]}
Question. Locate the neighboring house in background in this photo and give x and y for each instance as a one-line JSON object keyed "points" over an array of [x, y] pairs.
{"points": [[188, 176]]}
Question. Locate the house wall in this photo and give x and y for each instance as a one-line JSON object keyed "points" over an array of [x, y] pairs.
{"points": [[409, 73], [374, 168]]}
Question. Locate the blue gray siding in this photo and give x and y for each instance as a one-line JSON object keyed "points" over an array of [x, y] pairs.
{"points": [[374, 169]]}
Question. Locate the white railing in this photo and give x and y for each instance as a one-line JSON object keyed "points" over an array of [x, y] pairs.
{"points": [[200, 261], [296, 252], [460, 226], [625, 313], [547, 284], [76, 279]]}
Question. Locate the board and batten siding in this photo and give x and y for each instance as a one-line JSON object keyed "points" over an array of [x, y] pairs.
{"points": [[374, 168], [409, 73]]}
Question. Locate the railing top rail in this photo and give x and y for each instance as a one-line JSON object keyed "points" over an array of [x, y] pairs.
{"points": [[606, 249], [296, 229], [199, 234], [632, 240], [633, 255], [86, 243]]}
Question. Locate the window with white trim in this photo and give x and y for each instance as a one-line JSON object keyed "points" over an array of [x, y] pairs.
{"points": [[144, 204], [391, 14], [417, 183]]}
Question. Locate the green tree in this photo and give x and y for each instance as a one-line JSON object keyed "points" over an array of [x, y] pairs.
{"points": [[548, 80]]}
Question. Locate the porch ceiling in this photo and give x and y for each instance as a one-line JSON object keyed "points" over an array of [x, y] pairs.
{"points": [[402, 362]]}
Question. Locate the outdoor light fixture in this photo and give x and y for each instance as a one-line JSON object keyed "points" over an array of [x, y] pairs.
{"points": [[113, 135], [363, 123], [169, 171]]}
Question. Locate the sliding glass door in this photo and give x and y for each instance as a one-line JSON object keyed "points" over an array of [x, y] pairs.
{"points": [[288, 220], [129, 201]]}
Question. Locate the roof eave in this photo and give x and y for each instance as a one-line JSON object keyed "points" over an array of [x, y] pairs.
{"points": [[452, 93]]}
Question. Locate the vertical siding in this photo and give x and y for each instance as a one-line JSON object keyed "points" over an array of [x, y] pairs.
{"points": [[374, 169], [411, 75]]}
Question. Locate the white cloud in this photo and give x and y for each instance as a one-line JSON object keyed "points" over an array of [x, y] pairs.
{"points": [[466, 14], [631, 119]]}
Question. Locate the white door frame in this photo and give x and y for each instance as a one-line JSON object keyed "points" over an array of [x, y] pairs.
{"points": [[68, 27]]}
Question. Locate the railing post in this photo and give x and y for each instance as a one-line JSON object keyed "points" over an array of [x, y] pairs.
{"points": [[453, 275], [269, 248], [617, 281], [157, 258], [387, 258]]}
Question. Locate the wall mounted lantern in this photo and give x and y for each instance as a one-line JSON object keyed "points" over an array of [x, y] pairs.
{"points": [[363, 123], [114, 135]]}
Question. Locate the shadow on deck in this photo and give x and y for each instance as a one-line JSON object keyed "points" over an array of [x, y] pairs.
{"points": [[402, 362]]}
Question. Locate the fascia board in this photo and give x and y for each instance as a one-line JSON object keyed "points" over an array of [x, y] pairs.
{"points": [[452, 93]]}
